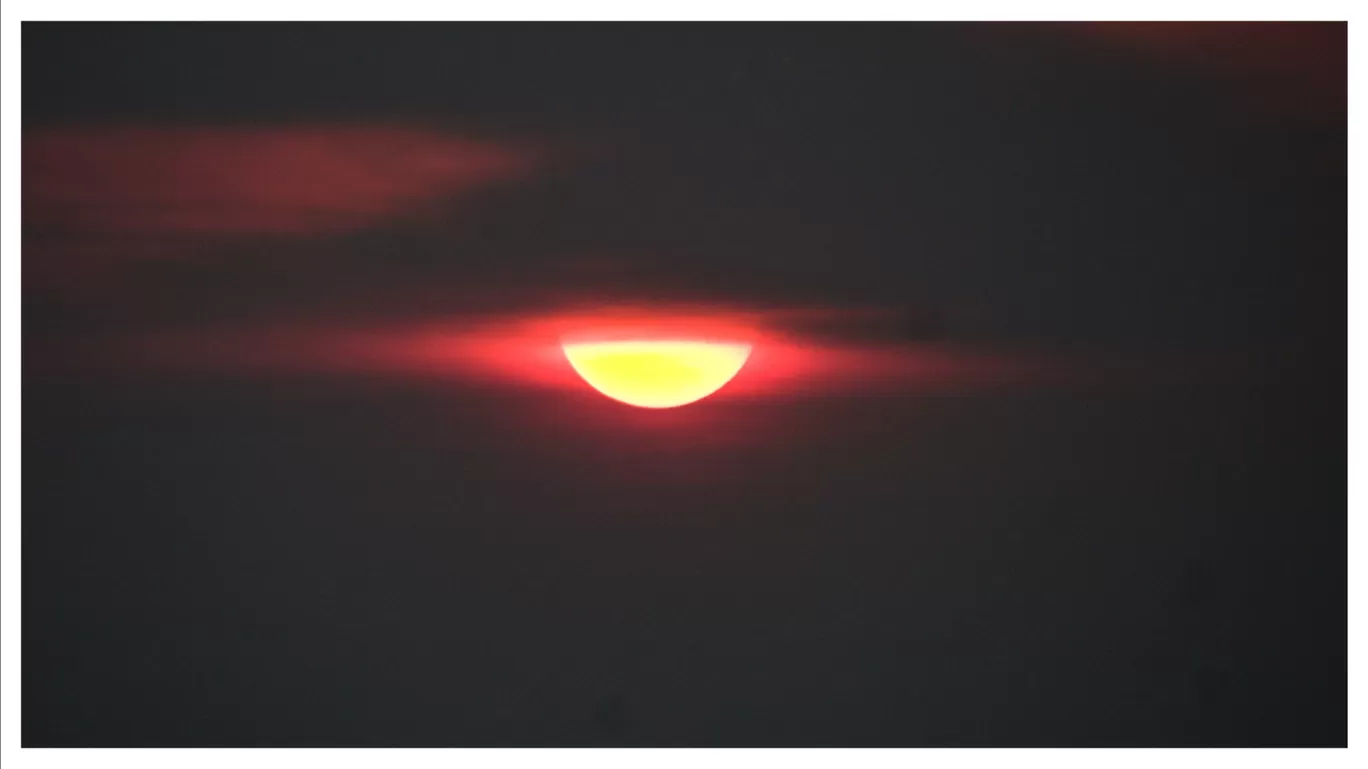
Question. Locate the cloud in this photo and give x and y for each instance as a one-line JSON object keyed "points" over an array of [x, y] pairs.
{"points": [[1294, 67], [297, 180]]}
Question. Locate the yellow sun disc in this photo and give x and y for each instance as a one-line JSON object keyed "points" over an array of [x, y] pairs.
{"points": [[657, 374]]}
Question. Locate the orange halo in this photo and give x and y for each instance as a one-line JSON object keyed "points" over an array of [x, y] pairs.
{"points": [[656, 374]]}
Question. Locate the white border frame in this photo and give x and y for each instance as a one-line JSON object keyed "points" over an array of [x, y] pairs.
{"points": [[848, 10]]}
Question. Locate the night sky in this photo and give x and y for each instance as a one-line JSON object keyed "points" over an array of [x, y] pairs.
{"points": [[1151, 552]]}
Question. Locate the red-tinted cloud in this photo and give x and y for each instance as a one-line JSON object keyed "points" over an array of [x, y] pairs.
{"points": [[246, 181], [525, 351], [1297, 67]]}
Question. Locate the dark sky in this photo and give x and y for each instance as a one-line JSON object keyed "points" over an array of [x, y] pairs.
{"points": [[285, 559]]}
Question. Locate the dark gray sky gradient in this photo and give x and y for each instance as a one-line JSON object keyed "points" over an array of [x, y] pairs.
{"points": [[316, 560]]}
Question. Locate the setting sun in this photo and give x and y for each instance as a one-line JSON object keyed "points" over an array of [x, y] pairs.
{"points": [[657, 374]]}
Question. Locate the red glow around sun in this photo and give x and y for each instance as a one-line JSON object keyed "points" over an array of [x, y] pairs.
{"points": [[654, 357]]}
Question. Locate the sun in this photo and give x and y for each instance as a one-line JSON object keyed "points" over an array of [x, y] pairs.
{"points": [[657, 374]]}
